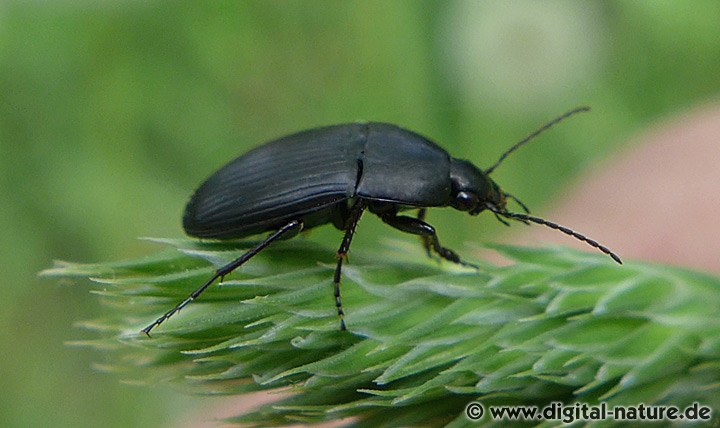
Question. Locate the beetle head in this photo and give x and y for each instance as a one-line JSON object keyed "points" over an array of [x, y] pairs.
{"points": [[472, 189]]}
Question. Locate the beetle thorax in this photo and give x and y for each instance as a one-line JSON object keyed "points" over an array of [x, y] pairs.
{"points": [[472, 189]]}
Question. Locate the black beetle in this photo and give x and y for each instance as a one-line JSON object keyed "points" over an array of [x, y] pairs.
{"points": [[332, 175]]}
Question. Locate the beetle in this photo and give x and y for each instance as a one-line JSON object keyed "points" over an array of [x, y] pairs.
{"points": [[335, 173]]}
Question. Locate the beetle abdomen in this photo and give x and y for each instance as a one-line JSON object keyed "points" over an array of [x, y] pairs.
{"points": [[277, 181]]}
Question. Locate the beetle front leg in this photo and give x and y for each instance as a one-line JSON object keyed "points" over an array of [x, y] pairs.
{"points": [[350, 224], [416, 226]]}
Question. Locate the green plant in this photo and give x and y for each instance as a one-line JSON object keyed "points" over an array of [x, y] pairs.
{"points": [[424, 339]]}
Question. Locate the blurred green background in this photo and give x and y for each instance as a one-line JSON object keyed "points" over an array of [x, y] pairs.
{"points": [[112, 112]]}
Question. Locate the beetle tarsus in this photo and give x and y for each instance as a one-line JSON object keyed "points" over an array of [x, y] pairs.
{"points": [[451, 255]]}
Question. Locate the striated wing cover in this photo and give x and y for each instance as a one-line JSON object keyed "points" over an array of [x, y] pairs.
{"points": [[283, 179]]}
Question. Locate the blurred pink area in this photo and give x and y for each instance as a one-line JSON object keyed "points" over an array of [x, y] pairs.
{"points": [[229, 407], [657, 201]]}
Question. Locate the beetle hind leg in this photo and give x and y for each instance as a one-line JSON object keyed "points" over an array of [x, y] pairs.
{"points": [[426, 231], [293, 226]]}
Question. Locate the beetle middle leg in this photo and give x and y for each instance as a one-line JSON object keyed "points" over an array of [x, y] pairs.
{"points": [[353, 217], [293, 226], [417, 226], [425, 239]]}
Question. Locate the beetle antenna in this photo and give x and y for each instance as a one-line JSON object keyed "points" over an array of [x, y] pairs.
{"points": [[535, 134], [563, 229]]}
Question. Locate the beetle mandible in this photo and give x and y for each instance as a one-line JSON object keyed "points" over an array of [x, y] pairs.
{"points": [[332, 175]]}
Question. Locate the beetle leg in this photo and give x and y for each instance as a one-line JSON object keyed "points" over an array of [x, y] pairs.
{"points": [[350, 224], [295, 225], [418, 227], [422, 212], [426, 240]]}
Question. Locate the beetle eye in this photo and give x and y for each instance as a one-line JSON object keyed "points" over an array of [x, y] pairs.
{"points": [[465, 201]]}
